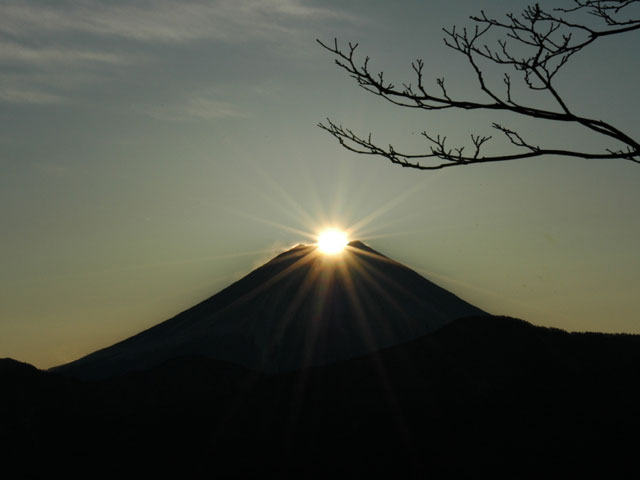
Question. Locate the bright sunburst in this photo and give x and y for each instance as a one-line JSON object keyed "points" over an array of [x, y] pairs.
{"points": [[332, 241]]}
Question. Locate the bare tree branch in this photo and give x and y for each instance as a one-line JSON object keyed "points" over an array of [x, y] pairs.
{"points": [[550, 38]]}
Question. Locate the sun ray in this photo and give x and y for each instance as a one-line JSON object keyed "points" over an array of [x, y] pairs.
{"points": [[319, 206], [306, 234], [376, 285], [303, 259], [305, 217], [351, 191], [377, 256], [310, 341], [375, 277], [388, 235], [356, 303], [389, 225], [380, 368], [387, 207], [303, 290]]}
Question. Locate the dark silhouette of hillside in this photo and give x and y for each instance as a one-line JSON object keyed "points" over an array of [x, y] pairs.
{"points": [[481, 395], [300, 309], [10, 368]]}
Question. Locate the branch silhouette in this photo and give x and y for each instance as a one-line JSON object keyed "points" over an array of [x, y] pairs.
{"points": [[550, 39]]}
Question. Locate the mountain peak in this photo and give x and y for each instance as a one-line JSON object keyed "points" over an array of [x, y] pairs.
{"points": [[301, 308], [10, 367], [359, 244]]}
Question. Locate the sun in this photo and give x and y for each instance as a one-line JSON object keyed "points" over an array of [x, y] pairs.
{"points": [[332, 241]]}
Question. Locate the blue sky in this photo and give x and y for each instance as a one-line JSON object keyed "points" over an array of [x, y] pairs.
{"points": [[153, 152]]}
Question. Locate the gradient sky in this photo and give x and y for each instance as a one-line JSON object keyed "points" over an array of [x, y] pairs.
{"points": [[152, 152]]}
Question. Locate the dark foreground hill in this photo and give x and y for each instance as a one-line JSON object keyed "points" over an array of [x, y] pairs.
{"points": [[300, 309], [481, 395]]}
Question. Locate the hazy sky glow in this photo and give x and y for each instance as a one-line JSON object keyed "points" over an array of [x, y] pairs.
{"points": [[151, 152]]}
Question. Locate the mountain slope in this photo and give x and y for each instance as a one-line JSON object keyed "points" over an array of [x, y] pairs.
{"points": [[302, 308]]}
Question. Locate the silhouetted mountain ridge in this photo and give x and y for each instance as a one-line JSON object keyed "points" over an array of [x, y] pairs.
{"points": [[16, 369], [302, 308], [479, 395]]}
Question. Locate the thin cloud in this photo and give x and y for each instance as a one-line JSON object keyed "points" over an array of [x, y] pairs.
{"points": [[206, 108], [45, 87], [167, 21], [195, 107], [16, 53], [51, 70], [28, 96], [73, 38]]}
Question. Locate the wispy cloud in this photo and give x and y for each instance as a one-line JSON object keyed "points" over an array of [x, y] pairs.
{"points": [[73, 38], [28, 96], [199, 106], [163, 20], [208, 108], [45, 86], [16, 53]]}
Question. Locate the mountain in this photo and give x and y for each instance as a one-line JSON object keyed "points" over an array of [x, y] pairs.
{"points": [[10, 368], [300, 309], [480, 395]]}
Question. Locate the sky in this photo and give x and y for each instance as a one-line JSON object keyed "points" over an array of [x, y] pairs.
{"points": [[153, 152]]}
